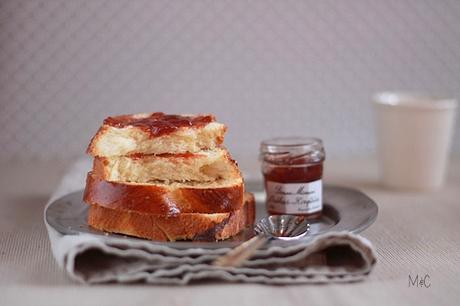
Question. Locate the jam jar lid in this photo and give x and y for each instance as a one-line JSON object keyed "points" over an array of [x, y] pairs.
{"points": [[292, 150]]}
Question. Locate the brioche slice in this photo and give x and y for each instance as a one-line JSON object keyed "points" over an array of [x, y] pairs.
{"points": [[156, 133], [205, 166], [216, 197], [189, 226]]}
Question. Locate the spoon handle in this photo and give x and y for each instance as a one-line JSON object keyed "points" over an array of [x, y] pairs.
{"points": [[236, 256]]}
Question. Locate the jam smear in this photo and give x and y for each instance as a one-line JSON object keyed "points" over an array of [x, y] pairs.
{"points": [[157, 124], [187, 155]]}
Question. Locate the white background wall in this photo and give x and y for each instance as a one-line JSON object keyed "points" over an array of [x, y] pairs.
{"points": [[265, 68]]}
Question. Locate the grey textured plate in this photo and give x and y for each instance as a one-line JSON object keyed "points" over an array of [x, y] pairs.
{"points": [[345, 209]]}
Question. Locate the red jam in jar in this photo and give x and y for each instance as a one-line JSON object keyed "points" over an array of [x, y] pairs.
{"points": [[293, 170]]}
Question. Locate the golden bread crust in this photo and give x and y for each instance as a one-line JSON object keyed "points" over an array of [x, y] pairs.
{"points": [[162, 199], [186, 226]]}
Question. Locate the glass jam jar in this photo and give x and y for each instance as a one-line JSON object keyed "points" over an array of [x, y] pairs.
{"points": [[293, 170]]}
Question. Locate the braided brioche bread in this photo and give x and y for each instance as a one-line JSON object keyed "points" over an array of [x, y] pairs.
{"points": [[186, 226], [166, 199], [156, 133], [204, 166], [165, 177]]}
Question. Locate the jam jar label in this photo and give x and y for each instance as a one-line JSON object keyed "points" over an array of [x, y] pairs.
{"points": [[298, 198]]}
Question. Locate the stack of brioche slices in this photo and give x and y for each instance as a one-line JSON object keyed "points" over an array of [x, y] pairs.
{"points": [[167, 178]]}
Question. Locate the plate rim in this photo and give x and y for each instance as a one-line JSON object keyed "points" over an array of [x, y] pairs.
{"points": [[370, 203]]}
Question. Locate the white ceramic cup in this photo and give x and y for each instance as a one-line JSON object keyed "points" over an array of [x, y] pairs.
{"points": [[414, 134]]}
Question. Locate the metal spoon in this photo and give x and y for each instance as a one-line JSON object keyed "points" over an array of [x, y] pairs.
{"points": [[276, 227]]}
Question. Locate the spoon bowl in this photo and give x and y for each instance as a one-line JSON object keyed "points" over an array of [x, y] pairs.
{"points": [[283, 227]]}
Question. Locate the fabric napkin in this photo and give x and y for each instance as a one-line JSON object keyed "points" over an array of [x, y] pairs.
{"points": [[333, 257]]}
